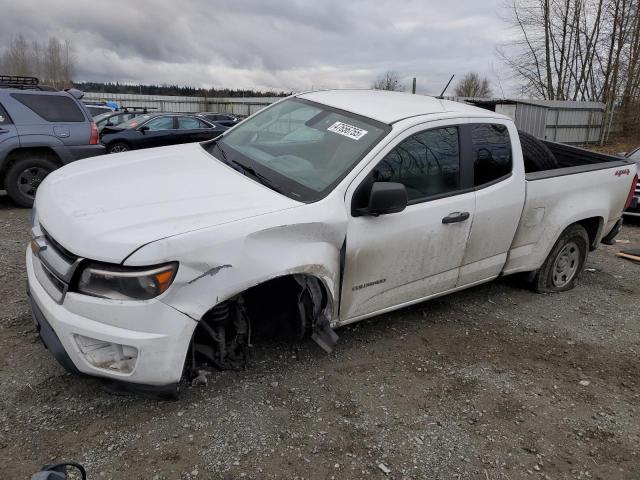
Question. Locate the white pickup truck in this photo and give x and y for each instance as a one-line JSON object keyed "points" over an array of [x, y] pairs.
{"points": [[321, 210]]}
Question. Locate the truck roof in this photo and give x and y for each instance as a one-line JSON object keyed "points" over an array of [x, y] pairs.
{"points": [[389, 107]]}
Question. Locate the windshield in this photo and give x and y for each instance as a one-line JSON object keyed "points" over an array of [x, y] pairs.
{"points": [[301, 147], [635, 155], [134, 122]]}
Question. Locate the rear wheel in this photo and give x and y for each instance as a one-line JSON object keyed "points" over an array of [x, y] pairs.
{"points": [[563, 266], [25, 176], [118, 147]]}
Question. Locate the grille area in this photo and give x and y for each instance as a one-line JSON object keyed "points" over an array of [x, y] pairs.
{"points": [[53, 264], [63, 252]]}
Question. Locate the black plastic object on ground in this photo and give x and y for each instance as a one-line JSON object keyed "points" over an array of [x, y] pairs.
{"points": [[59, 471], [537, 156]]}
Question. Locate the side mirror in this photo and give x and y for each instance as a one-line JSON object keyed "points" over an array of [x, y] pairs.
{"points": [[109, 124], [385, 198], [143, 129]]}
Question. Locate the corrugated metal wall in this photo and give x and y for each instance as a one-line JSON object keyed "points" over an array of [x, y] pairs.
{"points": [[558, 121], [167, 103], [574, 125], [531, 119]]}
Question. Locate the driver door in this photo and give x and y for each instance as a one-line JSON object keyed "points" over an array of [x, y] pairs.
{"points": [[401, 258]]}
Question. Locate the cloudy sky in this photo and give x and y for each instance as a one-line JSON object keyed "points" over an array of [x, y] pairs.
{"points": [[269, 44]]}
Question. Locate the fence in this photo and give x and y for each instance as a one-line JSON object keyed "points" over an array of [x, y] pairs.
{"points": [[559, 121], [166, 103]]}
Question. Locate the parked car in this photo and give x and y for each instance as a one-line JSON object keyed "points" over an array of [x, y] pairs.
{"points": [[114, 118], [220, 119], [321, 210], [96, 108], [40, 130], [634, 207], [156, 130]]}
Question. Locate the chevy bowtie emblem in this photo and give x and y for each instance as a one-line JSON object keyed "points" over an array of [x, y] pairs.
{"points": [[38, 245]]}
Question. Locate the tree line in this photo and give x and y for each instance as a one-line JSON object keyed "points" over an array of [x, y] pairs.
{"points": [[142, 89]]}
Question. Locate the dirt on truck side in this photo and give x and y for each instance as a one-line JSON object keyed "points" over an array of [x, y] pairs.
{"points": [[491, 383]]}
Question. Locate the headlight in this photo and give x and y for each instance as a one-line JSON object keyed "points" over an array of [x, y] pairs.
{"points": [[122, 283]]}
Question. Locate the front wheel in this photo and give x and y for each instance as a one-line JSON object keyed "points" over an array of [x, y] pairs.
{"points": [[25, 176], [563, 266], [118, 147]]}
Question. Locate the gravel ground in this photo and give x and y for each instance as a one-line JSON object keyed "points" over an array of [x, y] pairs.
{"points": [[492, 383]]}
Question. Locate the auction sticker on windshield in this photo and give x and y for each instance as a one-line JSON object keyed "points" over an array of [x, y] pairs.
{"points": [[347, 130]]}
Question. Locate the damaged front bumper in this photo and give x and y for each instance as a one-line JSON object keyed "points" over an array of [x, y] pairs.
{"points": [[137, 342]]}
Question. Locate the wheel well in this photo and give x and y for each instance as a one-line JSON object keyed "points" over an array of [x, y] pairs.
{"points": [[20, 153], [593, 226], [284, 308]]}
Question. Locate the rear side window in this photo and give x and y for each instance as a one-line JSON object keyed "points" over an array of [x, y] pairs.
{"points": [[52, 108], [4, 118], [427, 164], [160, 123], [491, 149], [189, 123]]}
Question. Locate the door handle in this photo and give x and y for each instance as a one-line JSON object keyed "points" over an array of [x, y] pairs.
{"points": [[455, 217], [3, 130]]}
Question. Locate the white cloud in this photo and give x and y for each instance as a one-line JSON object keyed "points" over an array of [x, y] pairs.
{"points": [[284, 45]]}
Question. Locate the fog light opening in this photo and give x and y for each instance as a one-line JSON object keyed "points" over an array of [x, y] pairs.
{"points": [[106, 355]]}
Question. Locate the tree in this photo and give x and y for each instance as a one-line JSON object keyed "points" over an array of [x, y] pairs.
{"points": [[472, 85], [390, 80], [52, 63], [577, 50]]}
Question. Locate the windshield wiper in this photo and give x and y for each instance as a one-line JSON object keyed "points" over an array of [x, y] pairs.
{"points": [[245, 169], [259, 177]]}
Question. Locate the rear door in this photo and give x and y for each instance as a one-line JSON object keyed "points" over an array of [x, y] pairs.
{"points": [[51, 114], [397, 259], [500, 193], [8, 134], [191, 129]]}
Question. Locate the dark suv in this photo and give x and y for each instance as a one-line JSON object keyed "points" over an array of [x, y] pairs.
{"points": [[40, 130]]}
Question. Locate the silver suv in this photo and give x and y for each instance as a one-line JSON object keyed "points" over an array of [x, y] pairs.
{"points": [[40, 130]]}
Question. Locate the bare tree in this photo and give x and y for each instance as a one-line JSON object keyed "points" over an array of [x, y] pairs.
{"points": [[390, 80], [472, 85], [577, 50], [53, 64]]}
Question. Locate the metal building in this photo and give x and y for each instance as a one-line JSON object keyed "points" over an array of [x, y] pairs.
{"points": [[554, 120]]}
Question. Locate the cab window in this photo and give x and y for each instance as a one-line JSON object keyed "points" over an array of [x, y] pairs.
{"points": [[427, 164], [491, 150]]}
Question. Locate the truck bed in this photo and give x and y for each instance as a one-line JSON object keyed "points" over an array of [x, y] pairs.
{"points": [[572, 160]]}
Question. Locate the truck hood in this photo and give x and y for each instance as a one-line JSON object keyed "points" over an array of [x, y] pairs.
{"points": [[103, 208]]}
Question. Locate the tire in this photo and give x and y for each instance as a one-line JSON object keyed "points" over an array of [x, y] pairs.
{"points": [[118, 147], [25, 176], [562, 268], [536, 155]]}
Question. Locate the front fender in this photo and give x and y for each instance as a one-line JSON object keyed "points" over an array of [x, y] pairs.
{"points": [[221, 262]]}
